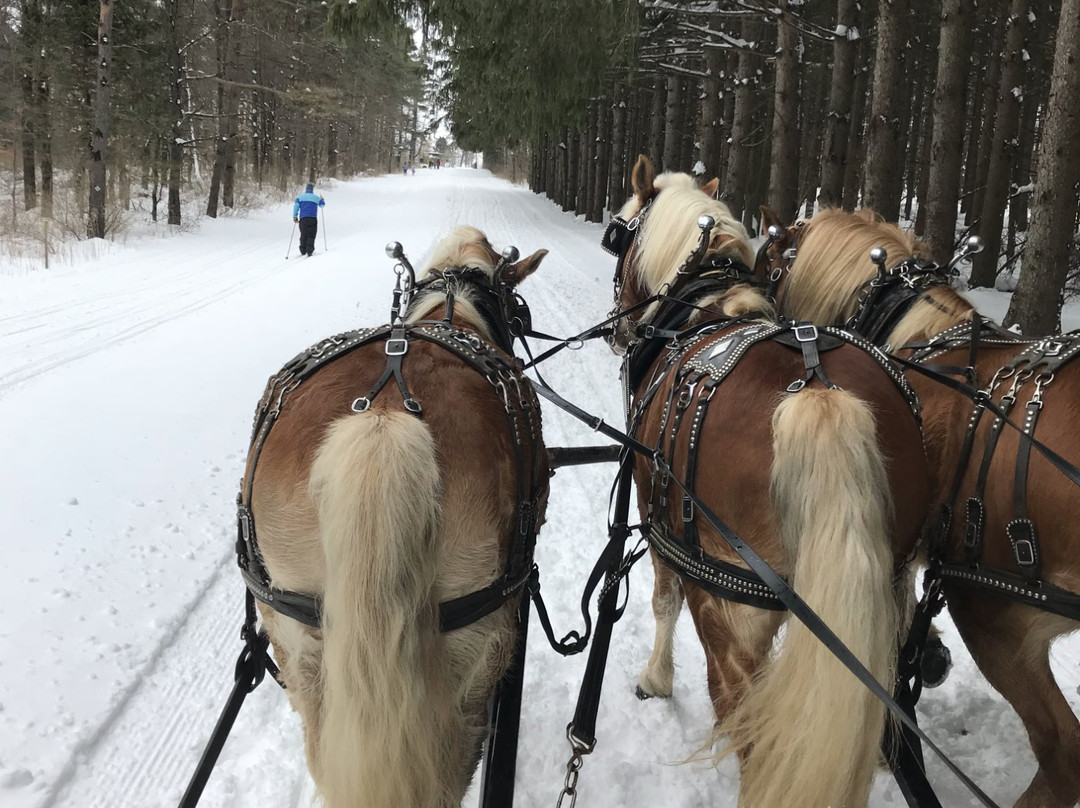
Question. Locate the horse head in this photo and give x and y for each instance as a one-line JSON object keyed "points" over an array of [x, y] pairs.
{"points": [[662, 243], [482, 283]]}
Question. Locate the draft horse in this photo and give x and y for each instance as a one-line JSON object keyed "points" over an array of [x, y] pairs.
{"points": [[1007, 547], [396, 529], [808, 447]]}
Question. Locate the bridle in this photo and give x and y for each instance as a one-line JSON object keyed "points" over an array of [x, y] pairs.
{"points": [[774, 272], [621, 240], [696, 278]]}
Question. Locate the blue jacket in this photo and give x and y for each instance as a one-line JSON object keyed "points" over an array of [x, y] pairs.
{"points": [[307, 204]]}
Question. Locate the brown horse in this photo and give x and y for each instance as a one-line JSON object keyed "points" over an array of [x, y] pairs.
{"points": [[381, 508], [1014, 540], [827, 484]]}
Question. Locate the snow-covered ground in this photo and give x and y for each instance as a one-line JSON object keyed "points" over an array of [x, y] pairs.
{"points": [[127, 386]]}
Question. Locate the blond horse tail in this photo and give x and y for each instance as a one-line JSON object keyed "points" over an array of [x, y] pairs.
{"points": [[815, 730], [375, 484]]}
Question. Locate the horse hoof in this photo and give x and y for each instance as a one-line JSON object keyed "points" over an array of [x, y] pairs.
{"points": [[936, 662], [639, 691]]}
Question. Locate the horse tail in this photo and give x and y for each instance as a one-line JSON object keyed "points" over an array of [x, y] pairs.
{"points": [[815, 730], [376, 486]]}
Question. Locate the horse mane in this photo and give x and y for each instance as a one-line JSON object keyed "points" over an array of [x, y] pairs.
{"points": [[672, 233], [465, 247], [833, 264]]}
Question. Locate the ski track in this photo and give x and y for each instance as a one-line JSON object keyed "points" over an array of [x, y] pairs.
{"points": [[172, 688], [143, 749], [113, 319]]}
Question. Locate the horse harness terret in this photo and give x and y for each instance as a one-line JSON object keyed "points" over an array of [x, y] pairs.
{"points": [[523, 418]]}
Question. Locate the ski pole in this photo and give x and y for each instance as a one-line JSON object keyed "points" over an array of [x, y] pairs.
{"points": [[323, 212], [291, 234]]}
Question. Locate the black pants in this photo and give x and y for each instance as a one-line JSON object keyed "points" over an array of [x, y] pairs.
{"points": [[309, 226]]}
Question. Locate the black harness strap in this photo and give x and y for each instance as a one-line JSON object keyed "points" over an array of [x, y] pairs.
{"points": [[397, 345], [1021, 530]]}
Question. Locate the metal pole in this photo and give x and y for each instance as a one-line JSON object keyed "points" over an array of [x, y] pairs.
{"points": [[291, 234], [46, 244], [322, 211]]}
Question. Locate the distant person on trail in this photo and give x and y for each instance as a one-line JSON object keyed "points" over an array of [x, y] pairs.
{"points": [[306, 212]]}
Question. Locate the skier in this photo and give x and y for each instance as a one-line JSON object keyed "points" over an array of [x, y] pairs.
{"points": [[306, 212]]}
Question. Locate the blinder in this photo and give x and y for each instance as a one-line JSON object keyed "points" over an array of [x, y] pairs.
{"points": [[618, 236]]}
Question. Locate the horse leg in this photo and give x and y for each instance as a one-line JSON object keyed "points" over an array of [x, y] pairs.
{"points": [[1011, 644], [298, 650], [667, 601], [736, 639]]}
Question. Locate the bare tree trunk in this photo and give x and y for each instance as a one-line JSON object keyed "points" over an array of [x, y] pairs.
{"points": [[174, 149], [883, 146], [737, 181], [991, 219], [228, 102], [600, 170], [331, 149], [673, 120], [784, 163], [584, 155], [1036, 305], [853, 168], [992, 81], [710, 131], [838, 122], [616, 190], [573, 163], [95, 226], [946, 146], [656, 121], [29, 136]]}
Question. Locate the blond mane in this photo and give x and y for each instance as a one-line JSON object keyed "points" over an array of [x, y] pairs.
{"points": [[465, 247], [671, 233], [833, 263]]}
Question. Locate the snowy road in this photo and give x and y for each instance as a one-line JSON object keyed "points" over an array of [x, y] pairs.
{"points": [[127, 386]]}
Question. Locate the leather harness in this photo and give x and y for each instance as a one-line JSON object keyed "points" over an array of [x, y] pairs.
{"points": [[697, 363], [883, 302], [493, 363], [1036, 361]]}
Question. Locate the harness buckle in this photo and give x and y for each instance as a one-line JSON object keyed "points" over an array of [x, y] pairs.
{"points": [[362, 404], [687, 509], [413, 406], [805, 332], [397, 346], [1025, 552]]}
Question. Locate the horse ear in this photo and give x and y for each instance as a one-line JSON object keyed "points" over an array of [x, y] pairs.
{"points": [[641, 179], [711, 187], [770, 218], [719, 239], [518, 272]]}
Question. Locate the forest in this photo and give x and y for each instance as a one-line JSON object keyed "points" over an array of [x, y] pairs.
{"points": [[954, 117]]}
